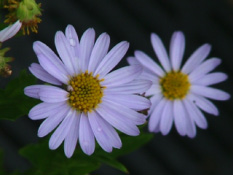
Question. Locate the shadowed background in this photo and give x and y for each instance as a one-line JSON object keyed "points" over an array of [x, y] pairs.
{"points": [[202, 21]]}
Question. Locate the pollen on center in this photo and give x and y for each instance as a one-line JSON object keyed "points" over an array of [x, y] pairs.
{"points": [[175, 85], [85, 92]]}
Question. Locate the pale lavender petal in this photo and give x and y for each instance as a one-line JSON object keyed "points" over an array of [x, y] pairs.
{"points": [[160, 51], [104, 133], [135, 86], [52, 94], [210, 79], [86, 46], [64, 51], [154, 101], [113, 57], [44, 110], [122, 76], [154, 89], [177, 46], [190, 125], [166, 118], [72, 137], [126, 113], [10, 31], [146, 75], [53, 121], [72, 37], [179, 117], [61, 132], [86, 136], [135, 102], [196, 58], [204, 68], [204, 104], [209, 92], [51, 68], [50, 62], [99, 51], [155, 117], [132, 61], [43, 75], [148, 63], [116, 119], [33, 91], [195, 114]]}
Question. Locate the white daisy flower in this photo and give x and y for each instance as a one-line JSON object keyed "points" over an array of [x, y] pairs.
{"points": [[90, 101], [178, 93], [10, 31]]}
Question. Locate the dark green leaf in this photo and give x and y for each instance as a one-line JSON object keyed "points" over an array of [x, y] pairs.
{"points": [[13, 102]]}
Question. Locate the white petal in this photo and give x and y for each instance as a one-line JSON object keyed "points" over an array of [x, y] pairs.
{"points": [[43, 75], [204, 68], [160, 51], [154, 89], [180, 117], [135, 86], [33, 91], [99, 51], [166, 118], [64, 51], [10, 31], [117, 120], [122, 76], [126, 113], [209, 92], [113, 57], [177, 46], [135, 102], [72, 137], [53, 121], [196, 58], [50, 62], [104, 133], [210, 79], [148, 63], [156, 115], [61, 132], [195, 114], [44, 110], [52, 94], [204, 104], [86, 46], [86, 136]]}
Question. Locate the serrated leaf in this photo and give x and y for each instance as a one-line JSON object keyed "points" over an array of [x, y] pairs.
{"points": [[50, 162], [13, 102]]}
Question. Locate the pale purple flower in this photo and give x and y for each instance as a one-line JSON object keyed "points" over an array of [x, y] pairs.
{"points": [[87, 102], [10, 31], [178, 93]]}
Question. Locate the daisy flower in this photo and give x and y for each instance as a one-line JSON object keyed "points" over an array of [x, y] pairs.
{"points": [[179, 92], [86, 102], [10, 31]]}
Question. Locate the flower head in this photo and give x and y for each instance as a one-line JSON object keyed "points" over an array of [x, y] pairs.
{"points": [[178, 93], [87, 102], [27, 11]]}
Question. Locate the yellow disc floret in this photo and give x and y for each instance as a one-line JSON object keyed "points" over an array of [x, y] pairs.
{"points": [[85, 92], [175, 85]]}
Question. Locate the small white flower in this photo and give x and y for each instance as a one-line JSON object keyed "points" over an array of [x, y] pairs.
{"points": [[10, 31], [94, 101], [178, 93]]}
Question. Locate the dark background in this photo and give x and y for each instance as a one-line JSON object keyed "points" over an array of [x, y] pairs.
{"points": [[202, 21]]}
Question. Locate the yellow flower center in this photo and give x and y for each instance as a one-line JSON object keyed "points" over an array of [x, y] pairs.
{"points": [[175, 85], [85, 92]]}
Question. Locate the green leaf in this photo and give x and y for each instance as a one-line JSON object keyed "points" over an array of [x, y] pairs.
{"points": [[13, 102], [50, 162]]}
